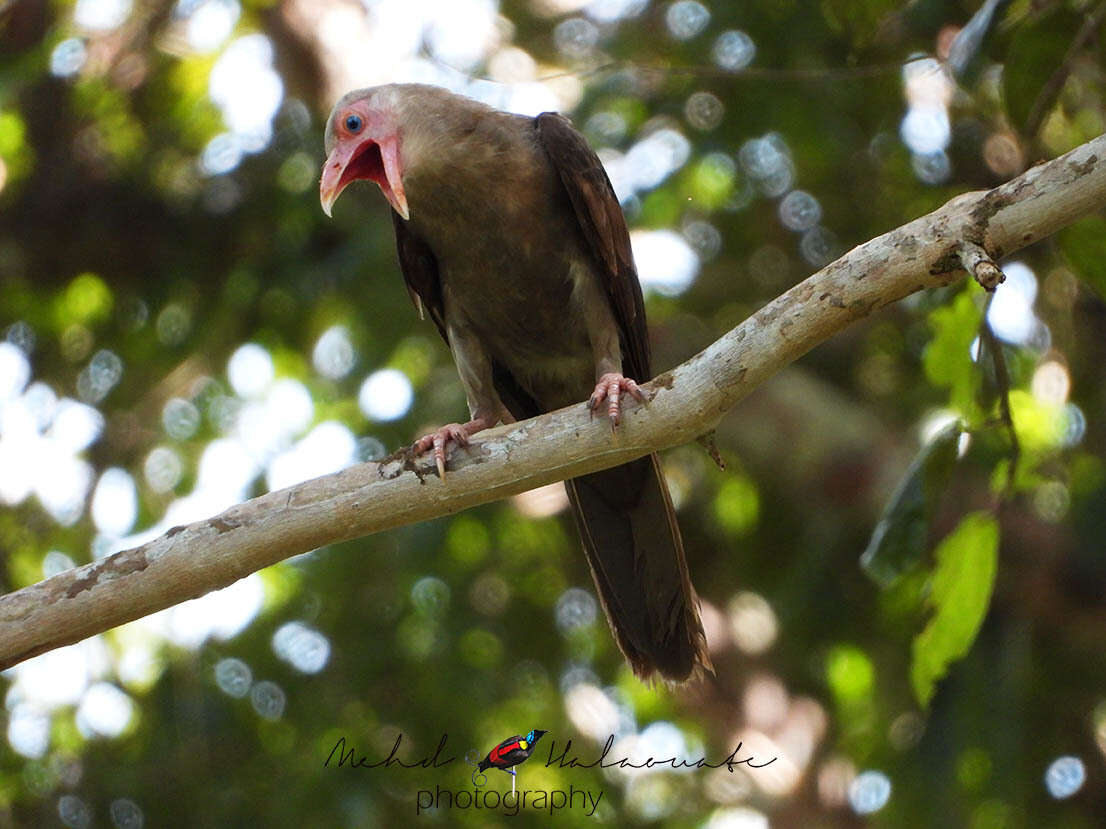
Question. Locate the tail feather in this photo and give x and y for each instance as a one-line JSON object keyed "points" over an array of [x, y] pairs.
{"points": [[633, 546]]}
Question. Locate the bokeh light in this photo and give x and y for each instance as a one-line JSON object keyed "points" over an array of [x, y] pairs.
{"points": [[835, 777], [115, 502], [686, 19], [704, 110], [209, 22], [665, 261], [15, 371], [705, 239], [1011, 313], [233, 676], [543, 501], [1051, 383], [334, 356], [462, 32], [248, 91], [1065, 776], [386, 395], [74, 812], [753, 623], [734, 50], [591, 711], [765, 702], [1003, 154], [126, 814], [610, 11], [869, 792], [799, 211], [268, 700], [28, 730], [329, 447], [101, 15], [40, 437], [490, 594], [105, 711], [180, 418], [767, 162], [647, 163], [302, 647], [103, 372], [737, 817], [576, 608], [68, 57], [163, 469], [430, 596], [221, 614], [250, 370], [59, 677], [819, 246], [926, 129], [576, 37], [75, 426]]}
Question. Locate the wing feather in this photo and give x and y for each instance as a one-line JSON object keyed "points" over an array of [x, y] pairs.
{"points": [[603, 225], [420, 272]]}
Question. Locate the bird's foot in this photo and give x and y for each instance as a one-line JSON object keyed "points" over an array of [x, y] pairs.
{"points": [[440, 439], [610, 388]]}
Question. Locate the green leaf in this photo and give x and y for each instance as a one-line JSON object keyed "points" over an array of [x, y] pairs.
{"points": [[1036, 51], [967, 561], [900, 537], [1041, 426], [948, 360]]}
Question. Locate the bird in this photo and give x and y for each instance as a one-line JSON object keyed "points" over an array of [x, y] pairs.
{"points": [[511, 239], [511, 752]]}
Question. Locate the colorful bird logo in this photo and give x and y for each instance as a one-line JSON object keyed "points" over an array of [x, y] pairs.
{"points": [[510, 753]]}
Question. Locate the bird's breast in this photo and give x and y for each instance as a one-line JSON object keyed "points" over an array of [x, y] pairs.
{"points": [[520, 303], [510, 257]]}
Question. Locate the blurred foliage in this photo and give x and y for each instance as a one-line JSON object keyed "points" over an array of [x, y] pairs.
{"points": [[901, 536], [136, 260], [946, 357], [962, 582]]}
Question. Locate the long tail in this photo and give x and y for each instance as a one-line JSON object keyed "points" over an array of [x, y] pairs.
{"points": [[633, 546]]}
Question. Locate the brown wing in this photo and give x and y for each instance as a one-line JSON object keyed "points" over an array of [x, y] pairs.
{"points": [[603, 225], [420, 272]]}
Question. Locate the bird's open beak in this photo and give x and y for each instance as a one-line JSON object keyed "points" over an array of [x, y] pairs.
{"points": [[366, 159]]}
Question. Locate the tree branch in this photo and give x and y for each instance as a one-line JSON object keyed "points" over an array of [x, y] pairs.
{"points": [[687, 402], [976, 261]]}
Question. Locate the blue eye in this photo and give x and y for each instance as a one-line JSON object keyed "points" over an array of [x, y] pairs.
{"points": [[354, 123]]}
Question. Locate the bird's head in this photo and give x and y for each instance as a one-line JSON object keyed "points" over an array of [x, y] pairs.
{"points": [[363, 142], [533, 736]]}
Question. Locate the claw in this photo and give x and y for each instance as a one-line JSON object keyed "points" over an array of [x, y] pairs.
{"points": [[610, 387], [440, 439], [439, 451]]}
